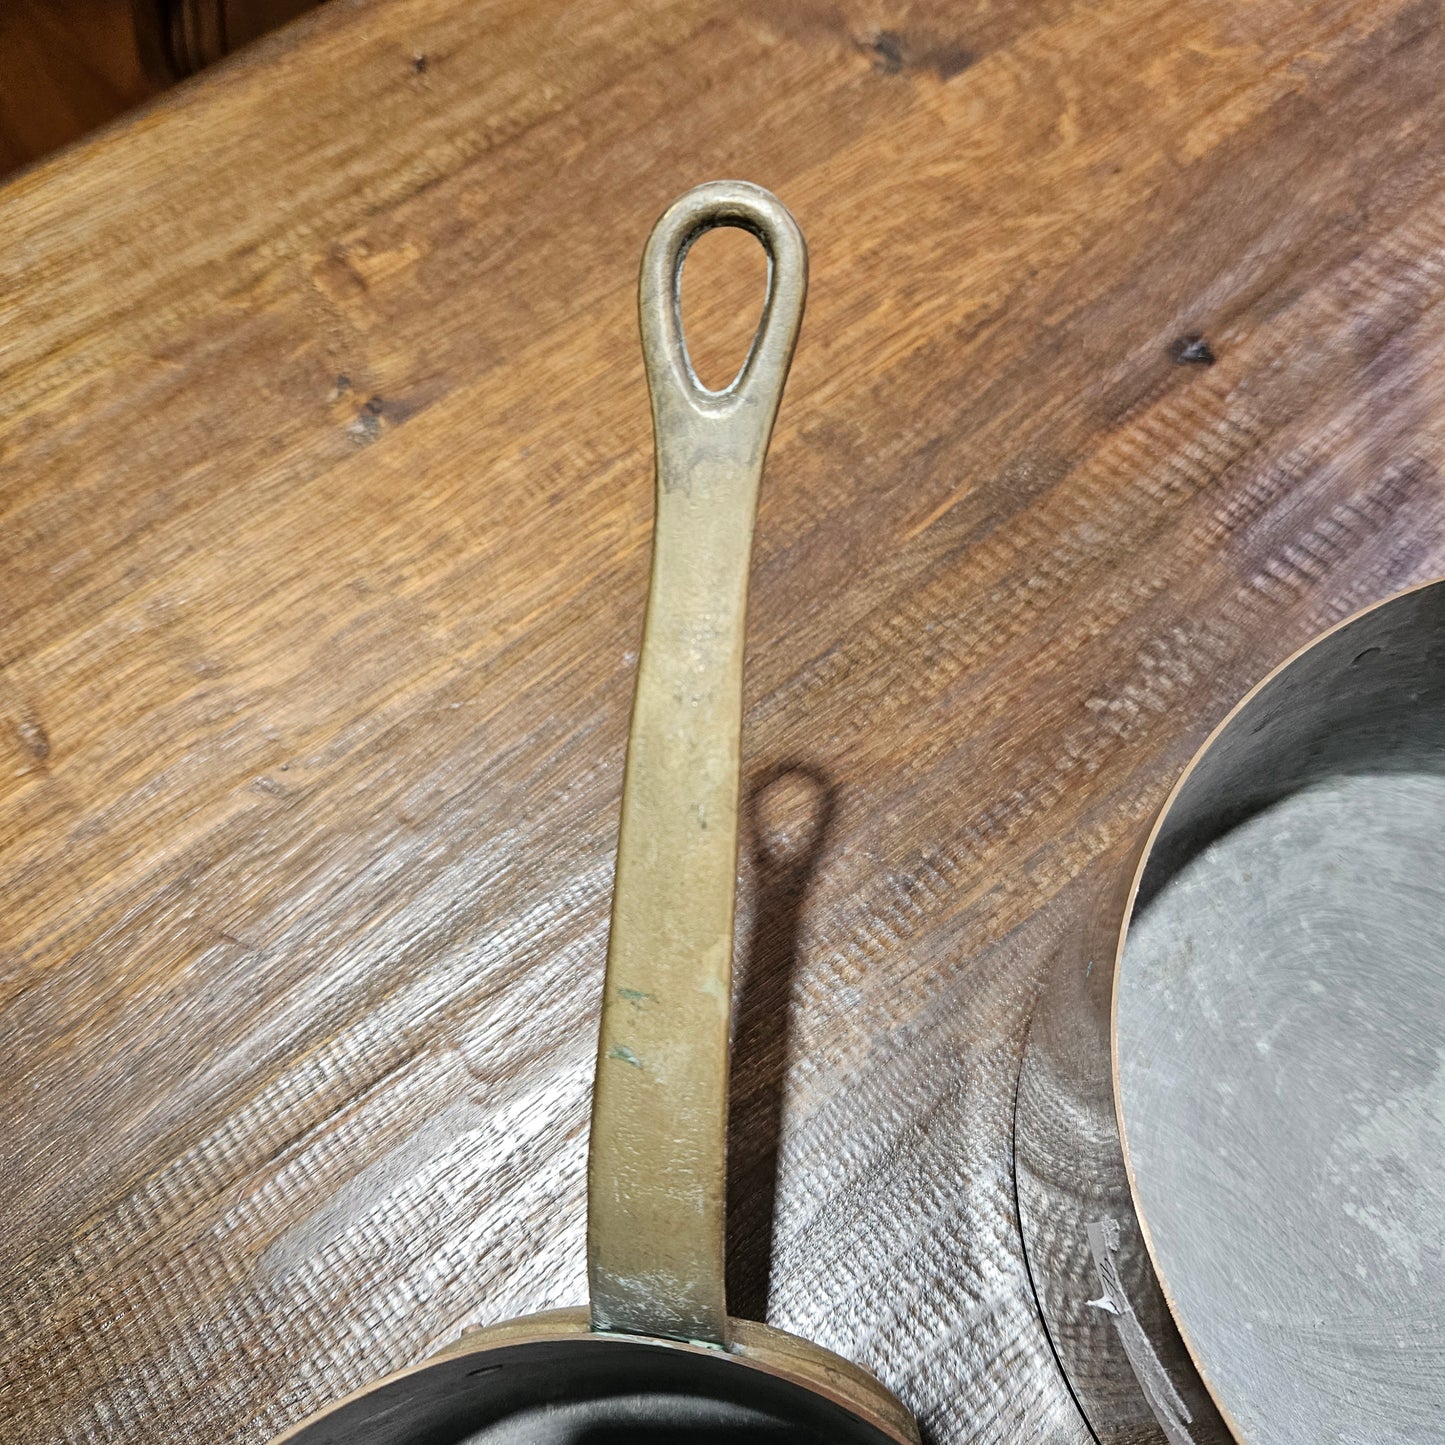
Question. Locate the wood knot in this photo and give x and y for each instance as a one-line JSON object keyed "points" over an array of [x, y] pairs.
{"points": [[1191, 350], [892, 52]]}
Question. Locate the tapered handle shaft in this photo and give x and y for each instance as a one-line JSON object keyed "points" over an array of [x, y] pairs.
{"points": [[656, 1180]]}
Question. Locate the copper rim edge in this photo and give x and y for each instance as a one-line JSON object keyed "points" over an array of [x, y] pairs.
{"points": [[1159, 819]]}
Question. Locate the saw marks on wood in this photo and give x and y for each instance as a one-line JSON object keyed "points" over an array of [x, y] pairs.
{"points": [[325, 473]]}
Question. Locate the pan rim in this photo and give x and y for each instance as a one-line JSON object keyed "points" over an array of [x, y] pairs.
{"points": [[1140, 867], [762, 1348]]}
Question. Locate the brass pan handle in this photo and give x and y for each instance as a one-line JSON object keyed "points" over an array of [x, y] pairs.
{"points": [[657, 1166]]}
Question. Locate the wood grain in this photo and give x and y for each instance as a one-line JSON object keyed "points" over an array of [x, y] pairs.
{"points": [[325, 479]]}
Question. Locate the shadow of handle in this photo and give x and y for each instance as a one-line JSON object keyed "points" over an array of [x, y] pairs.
{"points": [[788, 814]]}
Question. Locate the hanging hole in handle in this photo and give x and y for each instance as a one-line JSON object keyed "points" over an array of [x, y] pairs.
{"points": [[723, 288], [758, 387]]}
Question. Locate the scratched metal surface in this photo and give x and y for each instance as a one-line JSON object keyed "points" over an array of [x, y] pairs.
{"points": [[1285, 1112], [1281, 1080], [324, 468]]}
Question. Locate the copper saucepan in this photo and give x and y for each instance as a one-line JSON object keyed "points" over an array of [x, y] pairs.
{"points": [[1230, 1139], [657, 1358]]}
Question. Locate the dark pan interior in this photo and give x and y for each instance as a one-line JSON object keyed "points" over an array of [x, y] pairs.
{"points": [[590, 1391]]}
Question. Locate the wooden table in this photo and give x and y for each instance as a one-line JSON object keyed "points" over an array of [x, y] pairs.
{"points": [[326, 490]]}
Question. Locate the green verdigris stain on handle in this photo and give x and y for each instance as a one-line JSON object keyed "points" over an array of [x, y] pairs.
{"points": [[621, 1051], [637, 997]]}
